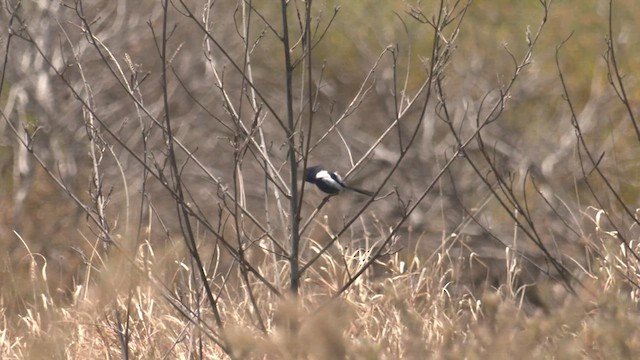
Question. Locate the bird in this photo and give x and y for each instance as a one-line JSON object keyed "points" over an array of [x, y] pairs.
{"points": [[329, 181]]}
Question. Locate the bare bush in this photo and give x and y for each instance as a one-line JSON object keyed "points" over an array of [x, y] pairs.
{"points": [[158, 151]]}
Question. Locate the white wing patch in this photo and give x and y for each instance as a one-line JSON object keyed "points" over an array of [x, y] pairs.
{"points": [[326, 178]]}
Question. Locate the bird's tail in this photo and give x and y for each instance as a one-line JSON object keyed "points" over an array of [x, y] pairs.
{"points": [[360, 191]]}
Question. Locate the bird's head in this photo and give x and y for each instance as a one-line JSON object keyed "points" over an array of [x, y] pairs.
{"points": [[311, 172]]}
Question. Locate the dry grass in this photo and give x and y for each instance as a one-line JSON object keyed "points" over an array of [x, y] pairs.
{"points": [[415, 310]]}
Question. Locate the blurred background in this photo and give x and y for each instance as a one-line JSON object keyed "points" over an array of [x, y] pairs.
{"points": [[533, 136]]}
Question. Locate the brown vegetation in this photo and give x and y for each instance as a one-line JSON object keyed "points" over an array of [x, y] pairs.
{"points": [[154, 206]]}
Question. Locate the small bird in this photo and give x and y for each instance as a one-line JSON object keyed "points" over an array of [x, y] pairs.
{"points": [[329, 182]]}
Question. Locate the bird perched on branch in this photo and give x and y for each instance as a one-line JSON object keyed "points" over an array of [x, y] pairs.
{"points": [[329, 182]]}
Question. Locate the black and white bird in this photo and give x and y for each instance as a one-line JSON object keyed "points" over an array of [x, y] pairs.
{"points": [[329, 182]]}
